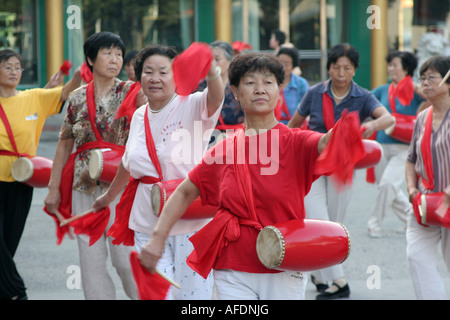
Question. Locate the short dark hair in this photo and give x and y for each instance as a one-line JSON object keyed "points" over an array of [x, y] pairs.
{"points": [[129, 57], [101, 40], [280, 36], [440, 64], [6, 54], [293, 53], [408, 60], [151, 50], [343, 50], [255, 61]]}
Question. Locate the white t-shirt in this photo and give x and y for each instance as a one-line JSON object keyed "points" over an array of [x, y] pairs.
{"points": [[181, 132]]}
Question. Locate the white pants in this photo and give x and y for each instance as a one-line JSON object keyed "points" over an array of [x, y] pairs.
{"points": [[324, 202], [390, 175], [422, 251], [173, 264], [237, 285], [96, 281]]}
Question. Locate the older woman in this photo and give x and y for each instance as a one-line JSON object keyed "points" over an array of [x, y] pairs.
{"points": [[324, 104], [90, 123], [294, 87], [255, 79], [25, 113], [167, 117], [400, 98], [427, 172]]}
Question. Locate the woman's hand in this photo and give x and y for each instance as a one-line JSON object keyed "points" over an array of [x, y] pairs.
{"points": [[102, 202], [52, 200], [412, 192], [152, 252]]}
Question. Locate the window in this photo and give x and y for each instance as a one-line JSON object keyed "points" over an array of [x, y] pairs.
{"points": [[142, 22], [18, 32]]}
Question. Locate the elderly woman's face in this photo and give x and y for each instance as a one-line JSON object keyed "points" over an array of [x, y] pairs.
{"points": [[257, 92], [157, 78], [221, 59], [10, 72], [342, 72], [108, 63], [395, 70]]}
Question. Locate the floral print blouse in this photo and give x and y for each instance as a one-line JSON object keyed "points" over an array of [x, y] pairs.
{"points": [[77, 126]]}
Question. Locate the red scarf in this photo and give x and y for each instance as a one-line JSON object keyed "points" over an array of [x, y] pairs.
{"points": [[210, 241], [150, 286], [327, 111], [120, 231], [282, 108], [128, 106], [404, 91], [425, 148], [345, 147], [16, 153]]}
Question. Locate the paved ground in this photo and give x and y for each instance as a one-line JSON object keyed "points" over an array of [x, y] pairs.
{"points": [[48, 269]]}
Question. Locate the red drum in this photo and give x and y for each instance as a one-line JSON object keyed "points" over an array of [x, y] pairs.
{"points": [[374, 152], [103, 164], [306, 245], [428, 207], [403, 127], [161, 192], [34, 171]]}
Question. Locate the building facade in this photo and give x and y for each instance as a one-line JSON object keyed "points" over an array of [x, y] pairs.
{"points": [[46, 32]]}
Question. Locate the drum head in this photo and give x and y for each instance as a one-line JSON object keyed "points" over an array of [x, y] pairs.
{"points": [[156, 199], [96, 164], [270, 247], [22, 169]]}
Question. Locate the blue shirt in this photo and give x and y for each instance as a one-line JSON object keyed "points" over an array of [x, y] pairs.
{"points": [[358, 99], [382, 94], [293, 94]]}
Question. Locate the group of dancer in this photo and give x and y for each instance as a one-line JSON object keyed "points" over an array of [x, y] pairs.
{"points": [[220, 253]]}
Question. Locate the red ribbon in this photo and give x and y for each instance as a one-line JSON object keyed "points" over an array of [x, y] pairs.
{"points": [[150, 286], [426, 151], [11, 137], [190, 66]]}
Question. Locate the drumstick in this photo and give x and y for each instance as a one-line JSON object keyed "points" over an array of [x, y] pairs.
{"points": [[59, 216], [168, 279], [76, 217], [445, 79]]}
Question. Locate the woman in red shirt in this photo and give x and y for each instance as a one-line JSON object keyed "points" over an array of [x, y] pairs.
{"points": [[252, 187]]}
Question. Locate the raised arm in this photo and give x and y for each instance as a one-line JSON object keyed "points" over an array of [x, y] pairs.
{"points": [[216, 88]]}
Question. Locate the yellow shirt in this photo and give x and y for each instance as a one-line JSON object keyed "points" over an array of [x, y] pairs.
{"points": [[26, 113]]}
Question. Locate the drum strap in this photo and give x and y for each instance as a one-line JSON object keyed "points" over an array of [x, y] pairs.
{"points": [[327, 111], [11, 137], [151, 149], [283, 107], [426, 151], [223, 127]]}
